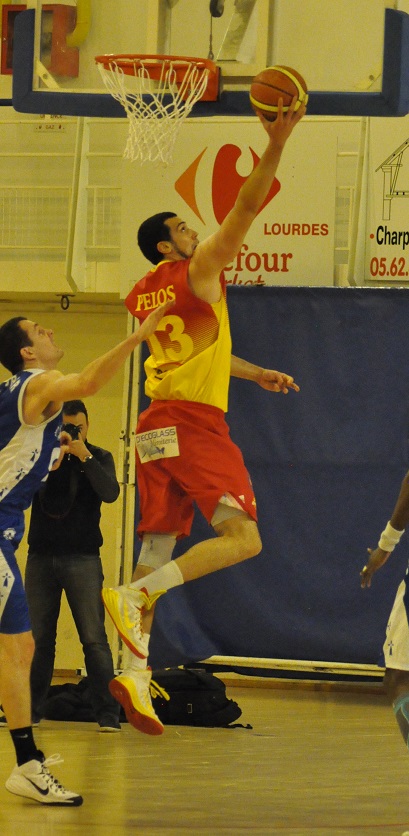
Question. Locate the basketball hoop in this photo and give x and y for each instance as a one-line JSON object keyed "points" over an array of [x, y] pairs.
{"points": [[158, 93]]}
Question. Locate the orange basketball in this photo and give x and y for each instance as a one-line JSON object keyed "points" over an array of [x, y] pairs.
{"points": [[276, 83]]}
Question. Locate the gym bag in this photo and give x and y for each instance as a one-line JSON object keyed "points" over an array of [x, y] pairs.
{"points": [[196, 698]]}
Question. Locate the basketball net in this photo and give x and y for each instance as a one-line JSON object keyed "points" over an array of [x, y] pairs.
{"points": [[158, 93]]}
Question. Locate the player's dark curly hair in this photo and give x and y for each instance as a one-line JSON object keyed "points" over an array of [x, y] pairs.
{"points": [[151, 232], [12, 340]]}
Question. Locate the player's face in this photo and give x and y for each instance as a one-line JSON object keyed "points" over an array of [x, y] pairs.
{"points": [[183, 239], [43, 349]]}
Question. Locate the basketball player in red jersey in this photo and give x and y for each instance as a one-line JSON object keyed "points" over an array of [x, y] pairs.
{"points": [[184, 451]]}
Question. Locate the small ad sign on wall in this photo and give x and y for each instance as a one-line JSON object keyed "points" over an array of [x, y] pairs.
{"points": [[387, 232]]}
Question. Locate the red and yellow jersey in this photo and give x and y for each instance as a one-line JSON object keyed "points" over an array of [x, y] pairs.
{"points": [[191, 347]]}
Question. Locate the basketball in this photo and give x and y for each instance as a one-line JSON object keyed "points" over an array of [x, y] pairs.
{"points": [[276, 83]]}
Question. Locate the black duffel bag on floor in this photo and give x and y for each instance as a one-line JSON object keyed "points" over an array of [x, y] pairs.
{"points": [[196, 698]]}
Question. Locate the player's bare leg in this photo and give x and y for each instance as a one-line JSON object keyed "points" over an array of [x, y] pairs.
{"points": [[16, 654], [30, 777], [397, 689], [238, 539]]}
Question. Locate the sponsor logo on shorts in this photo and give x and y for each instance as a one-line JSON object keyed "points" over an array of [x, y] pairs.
{"points": [[161, 443]]}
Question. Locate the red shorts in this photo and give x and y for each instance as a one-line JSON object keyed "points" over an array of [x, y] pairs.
{"points": [[208, 467]]}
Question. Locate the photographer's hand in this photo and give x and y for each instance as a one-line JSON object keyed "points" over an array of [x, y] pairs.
{"points": [[65, 439], [78, 448]]}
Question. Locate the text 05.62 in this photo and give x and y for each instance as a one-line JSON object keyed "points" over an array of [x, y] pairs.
{"points": [[383, 267]]}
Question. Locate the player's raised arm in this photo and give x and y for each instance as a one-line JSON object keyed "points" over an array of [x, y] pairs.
{"points": [[47, 392], [212, 255]]}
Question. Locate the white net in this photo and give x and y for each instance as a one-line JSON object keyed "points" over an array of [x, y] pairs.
{"points": [[155, 106]]}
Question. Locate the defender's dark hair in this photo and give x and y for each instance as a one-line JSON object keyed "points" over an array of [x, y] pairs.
{"points": [[12, 340], [151, 232], [73, 407]]}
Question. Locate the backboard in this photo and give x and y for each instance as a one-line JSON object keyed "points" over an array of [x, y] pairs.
{"points": [[354, 56]]}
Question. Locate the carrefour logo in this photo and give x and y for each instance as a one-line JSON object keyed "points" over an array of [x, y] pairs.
{"points": [[226, 182]]}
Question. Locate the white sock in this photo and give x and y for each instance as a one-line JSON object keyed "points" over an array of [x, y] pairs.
{"points": [[165, 578]]}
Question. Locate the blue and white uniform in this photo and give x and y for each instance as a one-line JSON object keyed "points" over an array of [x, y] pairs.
{"points": [[396, 646], [26, 454]]}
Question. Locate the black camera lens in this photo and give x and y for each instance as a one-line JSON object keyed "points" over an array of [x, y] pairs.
{"points": [[73, 430]]}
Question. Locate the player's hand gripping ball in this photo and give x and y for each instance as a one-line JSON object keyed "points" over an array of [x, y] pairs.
{"points": [[276, 83]]}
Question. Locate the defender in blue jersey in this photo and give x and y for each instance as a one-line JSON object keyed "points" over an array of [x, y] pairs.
{"points": [[30, 445]]}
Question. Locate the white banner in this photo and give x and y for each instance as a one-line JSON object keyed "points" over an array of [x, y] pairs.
{"points": [[291, 242], [387, 233]]}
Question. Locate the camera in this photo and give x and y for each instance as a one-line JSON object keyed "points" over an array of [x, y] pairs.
{"points": [[72, 429]]}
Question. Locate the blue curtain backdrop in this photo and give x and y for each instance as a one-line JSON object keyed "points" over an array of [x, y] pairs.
{"points": [[326, 465]]}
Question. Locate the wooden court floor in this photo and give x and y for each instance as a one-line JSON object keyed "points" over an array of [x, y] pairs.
{"points": [[315, 762]]}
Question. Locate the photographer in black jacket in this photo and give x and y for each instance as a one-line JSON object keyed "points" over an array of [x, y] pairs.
{"points": [[64, 543]]}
